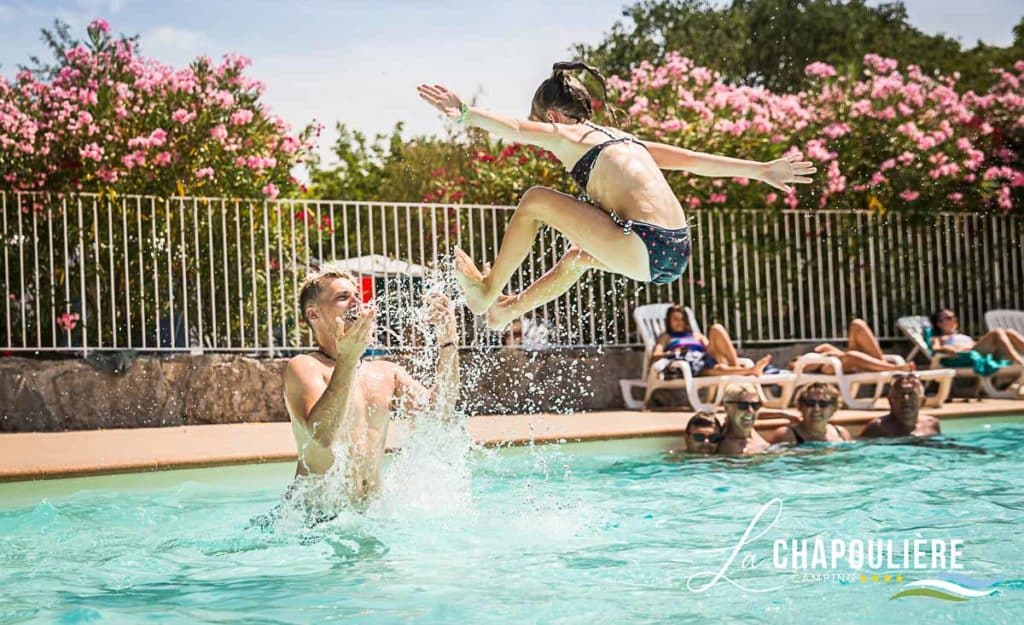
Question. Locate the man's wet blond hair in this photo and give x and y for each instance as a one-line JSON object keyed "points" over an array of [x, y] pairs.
{"points": [[312, 285], [735, 390]]}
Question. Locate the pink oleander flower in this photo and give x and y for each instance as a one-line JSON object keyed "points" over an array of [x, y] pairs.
{"points": [[1003, 198], [241, 117], [909, 195], [158, 137], [271, 191], [100, 25], [820, 70], [91, 151], [182, 116], [219, 132], [205, 172], [67, 321]]}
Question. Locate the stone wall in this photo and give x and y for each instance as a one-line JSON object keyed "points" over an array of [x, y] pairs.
{"points": [[52, 395]]}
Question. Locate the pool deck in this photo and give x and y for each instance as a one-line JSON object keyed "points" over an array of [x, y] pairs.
{"points": [[31, 456]]}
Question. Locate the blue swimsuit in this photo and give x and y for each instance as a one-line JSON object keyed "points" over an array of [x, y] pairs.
{"points": [[668, 250]]}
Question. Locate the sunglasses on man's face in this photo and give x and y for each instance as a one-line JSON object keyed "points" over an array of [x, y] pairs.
{"points": [[819, 403], [700, 438], [746, 405]]}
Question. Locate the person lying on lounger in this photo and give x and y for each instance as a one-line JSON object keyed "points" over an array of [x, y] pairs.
{"points": [[1000, 344], [707, 355], [864, 353]]}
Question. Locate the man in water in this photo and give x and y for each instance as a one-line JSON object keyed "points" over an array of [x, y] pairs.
{"points": [[742, 403], [337, 403], [906, 396], [703, 434]]}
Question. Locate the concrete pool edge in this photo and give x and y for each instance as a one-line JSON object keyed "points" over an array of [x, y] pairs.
{"points": [[31, 456]]}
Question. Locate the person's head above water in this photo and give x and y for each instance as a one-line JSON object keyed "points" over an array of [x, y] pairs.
{"points": [[327, 294], [906, 396], [703, 433], [742, 403], [563, 98]]}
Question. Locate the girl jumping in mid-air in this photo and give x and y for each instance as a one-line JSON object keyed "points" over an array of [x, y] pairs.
{"points": [[627, 222]]}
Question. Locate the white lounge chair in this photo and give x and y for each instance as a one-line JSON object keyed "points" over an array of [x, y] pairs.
{"points": [[650, 321], [850, 384], [1004, 318], [913, 327]]}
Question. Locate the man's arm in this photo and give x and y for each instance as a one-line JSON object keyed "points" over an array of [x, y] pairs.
{"points": [[440, 399], [872, 429], [323, 408]]}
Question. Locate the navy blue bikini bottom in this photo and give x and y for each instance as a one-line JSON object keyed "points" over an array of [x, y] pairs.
{"points": [[668, 250]]}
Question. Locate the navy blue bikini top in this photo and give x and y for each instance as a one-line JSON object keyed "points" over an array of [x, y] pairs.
{"points": [[581, 170]]}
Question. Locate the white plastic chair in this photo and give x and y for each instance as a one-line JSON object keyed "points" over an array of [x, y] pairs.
{"points": [[850, 384], [913, 328], [650, 322], [1006, 319]]}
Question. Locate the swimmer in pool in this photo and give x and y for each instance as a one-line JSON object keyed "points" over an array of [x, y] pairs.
{"points": [[742, 403], [906, 396], [335, 399], [628, 220]]}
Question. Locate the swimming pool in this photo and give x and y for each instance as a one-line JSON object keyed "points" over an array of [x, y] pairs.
{"points": [[591, 533]]}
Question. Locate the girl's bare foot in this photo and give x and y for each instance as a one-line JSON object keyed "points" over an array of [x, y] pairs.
{"points": [[759, 366], [501, 313], [472, 283]]}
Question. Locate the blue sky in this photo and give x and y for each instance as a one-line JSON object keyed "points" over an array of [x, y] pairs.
{"points": [[359, 61]]}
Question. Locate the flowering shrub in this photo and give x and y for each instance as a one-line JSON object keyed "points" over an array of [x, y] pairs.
{"points": [[498, 175], [889, 139], [110, 120]]}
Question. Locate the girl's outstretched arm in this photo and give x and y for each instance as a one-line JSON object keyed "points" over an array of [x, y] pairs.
{"points": [[545, 135], [779, 173]]}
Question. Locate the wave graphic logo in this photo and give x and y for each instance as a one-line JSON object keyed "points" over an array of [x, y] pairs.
{"points": [[952, 588]]}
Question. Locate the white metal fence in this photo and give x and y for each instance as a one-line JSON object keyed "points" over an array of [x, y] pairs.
{"points": [[88, 272]]}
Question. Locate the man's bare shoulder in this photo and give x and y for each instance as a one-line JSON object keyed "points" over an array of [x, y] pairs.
{"points": [[928, 423], [303, 365]]}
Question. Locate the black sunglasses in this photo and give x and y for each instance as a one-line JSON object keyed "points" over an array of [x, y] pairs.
{"points": [[746, 405], [820, 403], [700, 438]]}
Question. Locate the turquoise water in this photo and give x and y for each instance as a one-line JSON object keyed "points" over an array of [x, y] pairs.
{"points": [[596, 533]]}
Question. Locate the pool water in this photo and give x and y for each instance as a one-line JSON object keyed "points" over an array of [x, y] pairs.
{"points": [[593, 533]]}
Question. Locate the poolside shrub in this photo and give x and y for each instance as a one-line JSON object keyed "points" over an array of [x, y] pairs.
{"points": [[106, 119], [891, 138]]}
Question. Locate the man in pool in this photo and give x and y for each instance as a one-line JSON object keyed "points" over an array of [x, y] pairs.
{"points": [[337, 403], [906, 396], [742, 403], [703, 434]]}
